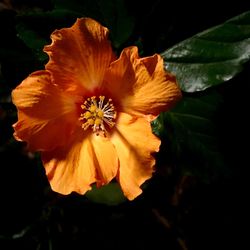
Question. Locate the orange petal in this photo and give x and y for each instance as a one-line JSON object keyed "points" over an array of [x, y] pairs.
{"points": [[82, 162], [141, 85], [106, 159], [46, 115], [134, 143], [79, 55]]}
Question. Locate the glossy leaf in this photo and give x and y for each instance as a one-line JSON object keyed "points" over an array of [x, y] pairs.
{"points": [[211, 57], [189, 137]]}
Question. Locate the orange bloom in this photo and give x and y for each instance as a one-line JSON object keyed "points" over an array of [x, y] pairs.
{"points": [[89, 113]]}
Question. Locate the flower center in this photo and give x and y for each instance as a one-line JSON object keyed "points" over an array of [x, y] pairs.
{"points": [[97, 113]]}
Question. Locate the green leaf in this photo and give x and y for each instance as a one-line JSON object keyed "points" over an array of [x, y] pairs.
{"points": [[116, 18], [211, 57], [111, 13], [32, 40], [83, 7], [34, 28], [189, 138], [110, 194]]}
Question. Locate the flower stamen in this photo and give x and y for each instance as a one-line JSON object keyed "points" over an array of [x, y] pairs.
{"points": [[97, 113]]}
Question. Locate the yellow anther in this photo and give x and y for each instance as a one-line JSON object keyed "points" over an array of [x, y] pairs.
{"points": [[100, 113], [91, 121], [92, 108], [98, 121], [87, 115]]}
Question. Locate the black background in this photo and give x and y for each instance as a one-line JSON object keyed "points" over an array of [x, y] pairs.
{"points": [[206, 216]]}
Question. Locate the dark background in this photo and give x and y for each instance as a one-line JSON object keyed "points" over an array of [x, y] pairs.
{"points": [[174, 212]]}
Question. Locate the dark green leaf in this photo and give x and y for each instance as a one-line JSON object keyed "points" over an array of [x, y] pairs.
{"points": [[110, 194], [50, 18], [211, 57], [32, 39], [84, 7], [116, 18], [111, 13], [189, 135], [34, 28]]}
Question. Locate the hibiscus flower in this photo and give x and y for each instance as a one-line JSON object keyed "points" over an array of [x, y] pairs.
{"points": [[88, 112]]}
